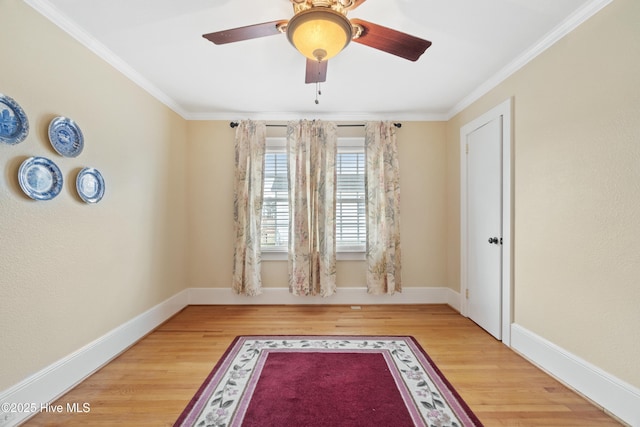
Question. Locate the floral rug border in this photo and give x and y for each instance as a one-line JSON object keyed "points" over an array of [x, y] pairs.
{"points": [[224, 397]]}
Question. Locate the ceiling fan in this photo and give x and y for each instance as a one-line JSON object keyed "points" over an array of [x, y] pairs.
{"points": [[320, 29]]}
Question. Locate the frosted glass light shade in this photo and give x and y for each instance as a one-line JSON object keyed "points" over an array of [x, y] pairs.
{"points": [[319, 34]]}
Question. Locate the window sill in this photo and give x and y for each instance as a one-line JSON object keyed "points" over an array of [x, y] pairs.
{"points": [[274, 255], [351, 256], [340, 256]]}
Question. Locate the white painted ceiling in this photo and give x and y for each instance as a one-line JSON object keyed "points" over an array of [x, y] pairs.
{"points": [[159, 44]]}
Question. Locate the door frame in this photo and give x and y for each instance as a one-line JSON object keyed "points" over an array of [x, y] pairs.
{"points": [[503, 109]]}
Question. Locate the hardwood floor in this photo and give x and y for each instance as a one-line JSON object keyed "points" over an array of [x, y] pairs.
{"points": [[151, 383]]}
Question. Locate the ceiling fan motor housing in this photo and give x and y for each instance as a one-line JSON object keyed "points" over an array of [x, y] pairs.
{"points": [[319, 33]]}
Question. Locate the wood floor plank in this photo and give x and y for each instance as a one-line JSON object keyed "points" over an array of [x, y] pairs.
{"points": [[151, 383]]}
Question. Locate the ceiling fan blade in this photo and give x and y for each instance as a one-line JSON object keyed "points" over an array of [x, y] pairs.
{"points": [[391, 41], [355, 4], [316, 71], [245, 33]]}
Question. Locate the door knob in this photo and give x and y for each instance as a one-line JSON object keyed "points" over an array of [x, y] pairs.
{"points": [[493, 240]]}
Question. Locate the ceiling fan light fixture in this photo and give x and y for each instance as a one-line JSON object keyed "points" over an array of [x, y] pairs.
{"points": [[319, 33]]}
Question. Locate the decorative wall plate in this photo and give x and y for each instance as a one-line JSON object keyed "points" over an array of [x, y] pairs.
{"points": [[90, 185], [66, 137], [14, 125], [40, 178]]}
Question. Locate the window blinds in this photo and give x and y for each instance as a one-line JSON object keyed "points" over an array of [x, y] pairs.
{"points": [[350, 196], [350, 200], [275, 201]]}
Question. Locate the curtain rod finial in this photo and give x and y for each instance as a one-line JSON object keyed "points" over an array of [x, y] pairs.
{"points": [[233, 125]]}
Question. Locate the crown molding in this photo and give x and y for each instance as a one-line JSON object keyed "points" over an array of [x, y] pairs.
{"points": [[568, 25], [333, 116], [54, 15], [59, 19]]}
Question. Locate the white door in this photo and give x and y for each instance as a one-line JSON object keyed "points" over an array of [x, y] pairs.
{"points": [[484, 226]]}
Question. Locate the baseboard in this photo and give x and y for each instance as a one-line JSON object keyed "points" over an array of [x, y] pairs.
{"points": [[55, 380], [344, 296], [454, 300], [620, 399]]}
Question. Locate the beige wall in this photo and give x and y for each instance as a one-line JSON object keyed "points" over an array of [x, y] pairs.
{"points": [[69, 271], [577, 190], [423, 227]]}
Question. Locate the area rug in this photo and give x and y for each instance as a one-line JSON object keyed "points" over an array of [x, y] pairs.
{"points": [[326, 381]]}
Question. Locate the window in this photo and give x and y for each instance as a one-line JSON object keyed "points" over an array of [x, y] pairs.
{"points": [[275, 197], [351, 229], [350, 196]]}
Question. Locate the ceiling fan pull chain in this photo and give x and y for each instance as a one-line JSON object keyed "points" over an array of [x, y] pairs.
{"points": [[318, 88]]}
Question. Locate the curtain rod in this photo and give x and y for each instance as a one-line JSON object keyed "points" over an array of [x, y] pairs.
{"points": [[235, 124]]}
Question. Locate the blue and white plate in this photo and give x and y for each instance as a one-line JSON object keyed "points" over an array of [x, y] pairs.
{"points": [[90, 185], [40, 178], [66, 137], [14, 125]]}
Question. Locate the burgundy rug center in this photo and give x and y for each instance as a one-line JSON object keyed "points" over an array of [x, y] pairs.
{"points": [[326, 389]]}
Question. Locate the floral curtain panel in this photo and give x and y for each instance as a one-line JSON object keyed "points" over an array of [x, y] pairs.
{"points": [[311, 147], [247, 206], [382, 185]]}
